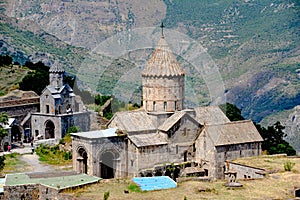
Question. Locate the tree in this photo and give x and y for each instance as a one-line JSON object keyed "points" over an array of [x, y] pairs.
{"points": [[231, 111], [3, 133], [5, 60], [37, 79], [274, 142], [3, 121]]}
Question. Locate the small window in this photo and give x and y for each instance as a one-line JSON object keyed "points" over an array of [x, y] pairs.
{"points": [[165, 106], [175, 105], [47, 109], [154, 106], [184, 131], [36, 133], [176, 149], [132, 163]]}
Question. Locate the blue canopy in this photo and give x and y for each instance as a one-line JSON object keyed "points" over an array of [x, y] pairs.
{"points": [[155, 183]]}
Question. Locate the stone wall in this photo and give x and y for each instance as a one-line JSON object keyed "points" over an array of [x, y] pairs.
{"points": [[95, 148], [231, 152], [18, 109], [46, 192], [26, 192], [244, 171], [213, 158], [61, 122], [163, 89]]}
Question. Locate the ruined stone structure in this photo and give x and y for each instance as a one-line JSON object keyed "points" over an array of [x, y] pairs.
{"points": [[18, 105], [60, 109], [163, 138]]}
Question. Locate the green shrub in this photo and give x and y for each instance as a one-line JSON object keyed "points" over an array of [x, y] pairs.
{"points": [[106, 195], [134, 188], [288, 165]]}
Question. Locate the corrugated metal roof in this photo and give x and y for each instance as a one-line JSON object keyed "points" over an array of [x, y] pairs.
{"points": [[149, 139], [238, 132], [111, 132], [162, 62], [210, 115]]}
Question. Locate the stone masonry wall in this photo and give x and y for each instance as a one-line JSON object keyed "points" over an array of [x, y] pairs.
{"points": [[26, 192], [244, 171]]}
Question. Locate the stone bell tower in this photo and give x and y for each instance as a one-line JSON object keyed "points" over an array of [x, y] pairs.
{"points": [[56, 76], [163, 80]]}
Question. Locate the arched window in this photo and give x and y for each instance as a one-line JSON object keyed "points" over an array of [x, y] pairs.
{"points": [[165, 106]]}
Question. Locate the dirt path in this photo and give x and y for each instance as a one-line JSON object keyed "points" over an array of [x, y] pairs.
{"points": [[35, 166]]}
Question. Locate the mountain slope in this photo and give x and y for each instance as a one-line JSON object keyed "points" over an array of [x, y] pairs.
{"points": [[255, 44]]}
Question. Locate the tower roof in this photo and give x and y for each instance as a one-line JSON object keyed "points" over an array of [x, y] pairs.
{"points": [[56, 67], [162, 62]]}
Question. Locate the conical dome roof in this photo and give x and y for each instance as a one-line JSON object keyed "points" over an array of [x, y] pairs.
{"points": [[55, 68], [162, 62]]}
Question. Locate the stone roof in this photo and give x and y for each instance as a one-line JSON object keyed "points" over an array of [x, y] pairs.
{"points": [[162, 62], [55, 91], [149, 139], [56, 67], [133, 121], [172, 120], [169, 123], [210, 115], [237, 132]]}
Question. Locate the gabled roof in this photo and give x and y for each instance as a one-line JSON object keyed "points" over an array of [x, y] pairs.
{"points": [[210, 115], [148, 139], [171, 121], [111, 132], [162, 62], [133, 121], [55, 91], [237, 132]]}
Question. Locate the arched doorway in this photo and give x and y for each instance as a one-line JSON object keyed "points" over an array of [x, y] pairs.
{"points": [[16, 134], [82, 160], [49, 129], [107, 165]]}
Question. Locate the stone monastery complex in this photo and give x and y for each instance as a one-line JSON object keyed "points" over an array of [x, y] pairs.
{"points": [[161, 138]]}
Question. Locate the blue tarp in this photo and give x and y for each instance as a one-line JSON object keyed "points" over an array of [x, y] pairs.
{"points": [[155, 183]]}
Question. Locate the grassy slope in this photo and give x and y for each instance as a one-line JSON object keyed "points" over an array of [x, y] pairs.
{"points": [[10, 77], [265, 45], [274, 186]]}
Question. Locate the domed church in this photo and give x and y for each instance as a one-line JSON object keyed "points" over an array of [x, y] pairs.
{"points": [[164, 137]]}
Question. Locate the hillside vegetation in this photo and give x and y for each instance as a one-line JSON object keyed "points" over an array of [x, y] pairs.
{"points": [[255, 45]]}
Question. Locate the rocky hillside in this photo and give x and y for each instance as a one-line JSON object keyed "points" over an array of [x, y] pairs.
{"points": [[254, 44]]}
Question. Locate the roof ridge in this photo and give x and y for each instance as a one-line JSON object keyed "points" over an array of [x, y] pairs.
{"points": [[162, 62]]}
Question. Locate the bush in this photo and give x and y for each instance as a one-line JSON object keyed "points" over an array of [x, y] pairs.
{"points": [[106, 195], [288, 165], [134, 188]]}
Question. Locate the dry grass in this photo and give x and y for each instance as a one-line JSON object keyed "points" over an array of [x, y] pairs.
{"points": [[10, 77], [275, 186]]}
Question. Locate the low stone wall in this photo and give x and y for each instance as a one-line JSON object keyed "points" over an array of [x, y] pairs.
{"points": [[28, 192], [50, 142], [244, 171], [201, 179]]}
